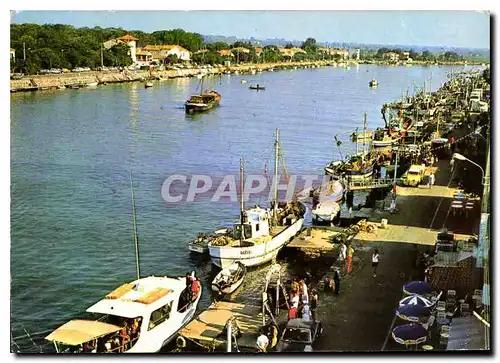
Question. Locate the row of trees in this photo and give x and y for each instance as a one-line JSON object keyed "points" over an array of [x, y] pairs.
{"points": [[425, 56], [63, 46]]}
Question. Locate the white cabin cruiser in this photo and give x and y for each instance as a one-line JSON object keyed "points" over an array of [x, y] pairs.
{"points": [[326, 211], [260, 233], [137, 317]]}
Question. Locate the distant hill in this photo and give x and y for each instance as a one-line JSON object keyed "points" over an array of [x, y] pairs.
{"points": [[479, 52]]}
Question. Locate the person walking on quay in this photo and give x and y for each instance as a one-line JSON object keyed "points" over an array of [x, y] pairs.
{"points": [[343, 254], [431, 180], [375, 258], [303, 291], [336, 279], [350, 254], [314, 303], [294, 305]]}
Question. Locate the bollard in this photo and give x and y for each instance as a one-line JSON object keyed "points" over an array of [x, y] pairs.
{"points": [[229, 335]]}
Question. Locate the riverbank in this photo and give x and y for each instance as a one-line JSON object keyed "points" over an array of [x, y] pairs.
{"points": [[76, 80], [54, 81]]}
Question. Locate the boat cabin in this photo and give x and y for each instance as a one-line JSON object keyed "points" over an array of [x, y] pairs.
{"points": [[140, 313], [255, 223]]}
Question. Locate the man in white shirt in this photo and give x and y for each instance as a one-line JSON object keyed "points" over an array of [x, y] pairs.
{"points": [[375, 258]]}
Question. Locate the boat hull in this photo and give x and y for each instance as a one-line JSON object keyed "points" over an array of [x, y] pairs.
{"points": [[196, 248], [353, 176], [223, 256]]}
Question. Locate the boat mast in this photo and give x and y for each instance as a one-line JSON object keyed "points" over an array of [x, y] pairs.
{"points": [[364, 135], [276, 160], [356, 141], [136, 237], [242, 201]]}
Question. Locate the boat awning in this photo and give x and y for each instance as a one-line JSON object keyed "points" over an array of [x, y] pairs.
{"points": [[77, 332]]}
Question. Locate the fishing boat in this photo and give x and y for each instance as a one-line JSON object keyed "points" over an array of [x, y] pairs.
{"points": [[257, 88], [202, 102], [356, 168], [327, 211], [383, 138], [373, 83], [137, 317], [260, 233], [148, 84], [243, 81], [229, 279], [200, 243], [92, 84]]}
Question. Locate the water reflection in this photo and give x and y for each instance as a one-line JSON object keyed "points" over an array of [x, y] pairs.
{"points": [[133, 96]]}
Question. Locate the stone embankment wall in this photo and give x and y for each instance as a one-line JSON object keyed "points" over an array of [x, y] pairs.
{"points": [[37, 82]]}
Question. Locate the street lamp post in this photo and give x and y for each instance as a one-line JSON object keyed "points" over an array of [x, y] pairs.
{"points": [[460, 157]]}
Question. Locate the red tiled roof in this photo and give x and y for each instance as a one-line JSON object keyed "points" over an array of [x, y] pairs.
{"points": [[128, 38], [164, 47]]}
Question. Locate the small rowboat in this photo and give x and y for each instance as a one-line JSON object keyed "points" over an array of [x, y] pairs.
{"points": [[229, 279], [148, 84], [257, 88]]}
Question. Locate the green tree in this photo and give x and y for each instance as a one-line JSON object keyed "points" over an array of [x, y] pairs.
{"points": [[310, 46], [214, 47], [427, 56]]}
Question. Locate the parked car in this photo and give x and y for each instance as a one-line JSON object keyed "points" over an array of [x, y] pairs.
{"points": [[299, 335], [16, 75], [413, 176]]}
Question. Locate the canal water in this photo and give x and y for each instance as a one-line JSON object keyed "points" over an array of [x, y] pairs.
{"points": [[72, 151]]}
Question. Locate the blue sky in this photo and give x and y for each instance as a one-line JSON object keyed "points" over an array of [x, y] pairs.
{"points": [[432, 28]]}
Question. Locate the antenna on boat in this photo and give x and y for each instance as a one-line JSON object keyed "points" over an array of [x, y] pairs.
{"points": [[242, 200], [136, 237], [276, 160]]}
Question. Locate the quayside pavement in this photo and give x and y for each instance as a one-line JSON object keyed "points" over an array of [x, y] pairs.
{"points": [[361, 316]]}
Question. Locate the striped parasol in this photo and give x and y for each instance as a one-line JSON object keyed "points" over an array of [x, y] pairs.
{"points": [[415, 300]]}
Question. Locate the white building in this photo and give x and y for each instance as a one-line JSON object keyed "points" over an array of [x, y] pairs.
{"points": [[127, 39], [163, 51]]}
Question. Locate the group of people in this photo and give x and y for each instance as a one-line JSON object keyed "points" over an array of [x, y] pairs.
{"points": [[119, 342], [346, 253], [301, 305]]}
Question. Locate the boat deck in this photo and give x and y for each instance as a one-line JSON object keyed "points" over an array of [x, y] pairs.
{"points": [[206, 329]]}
